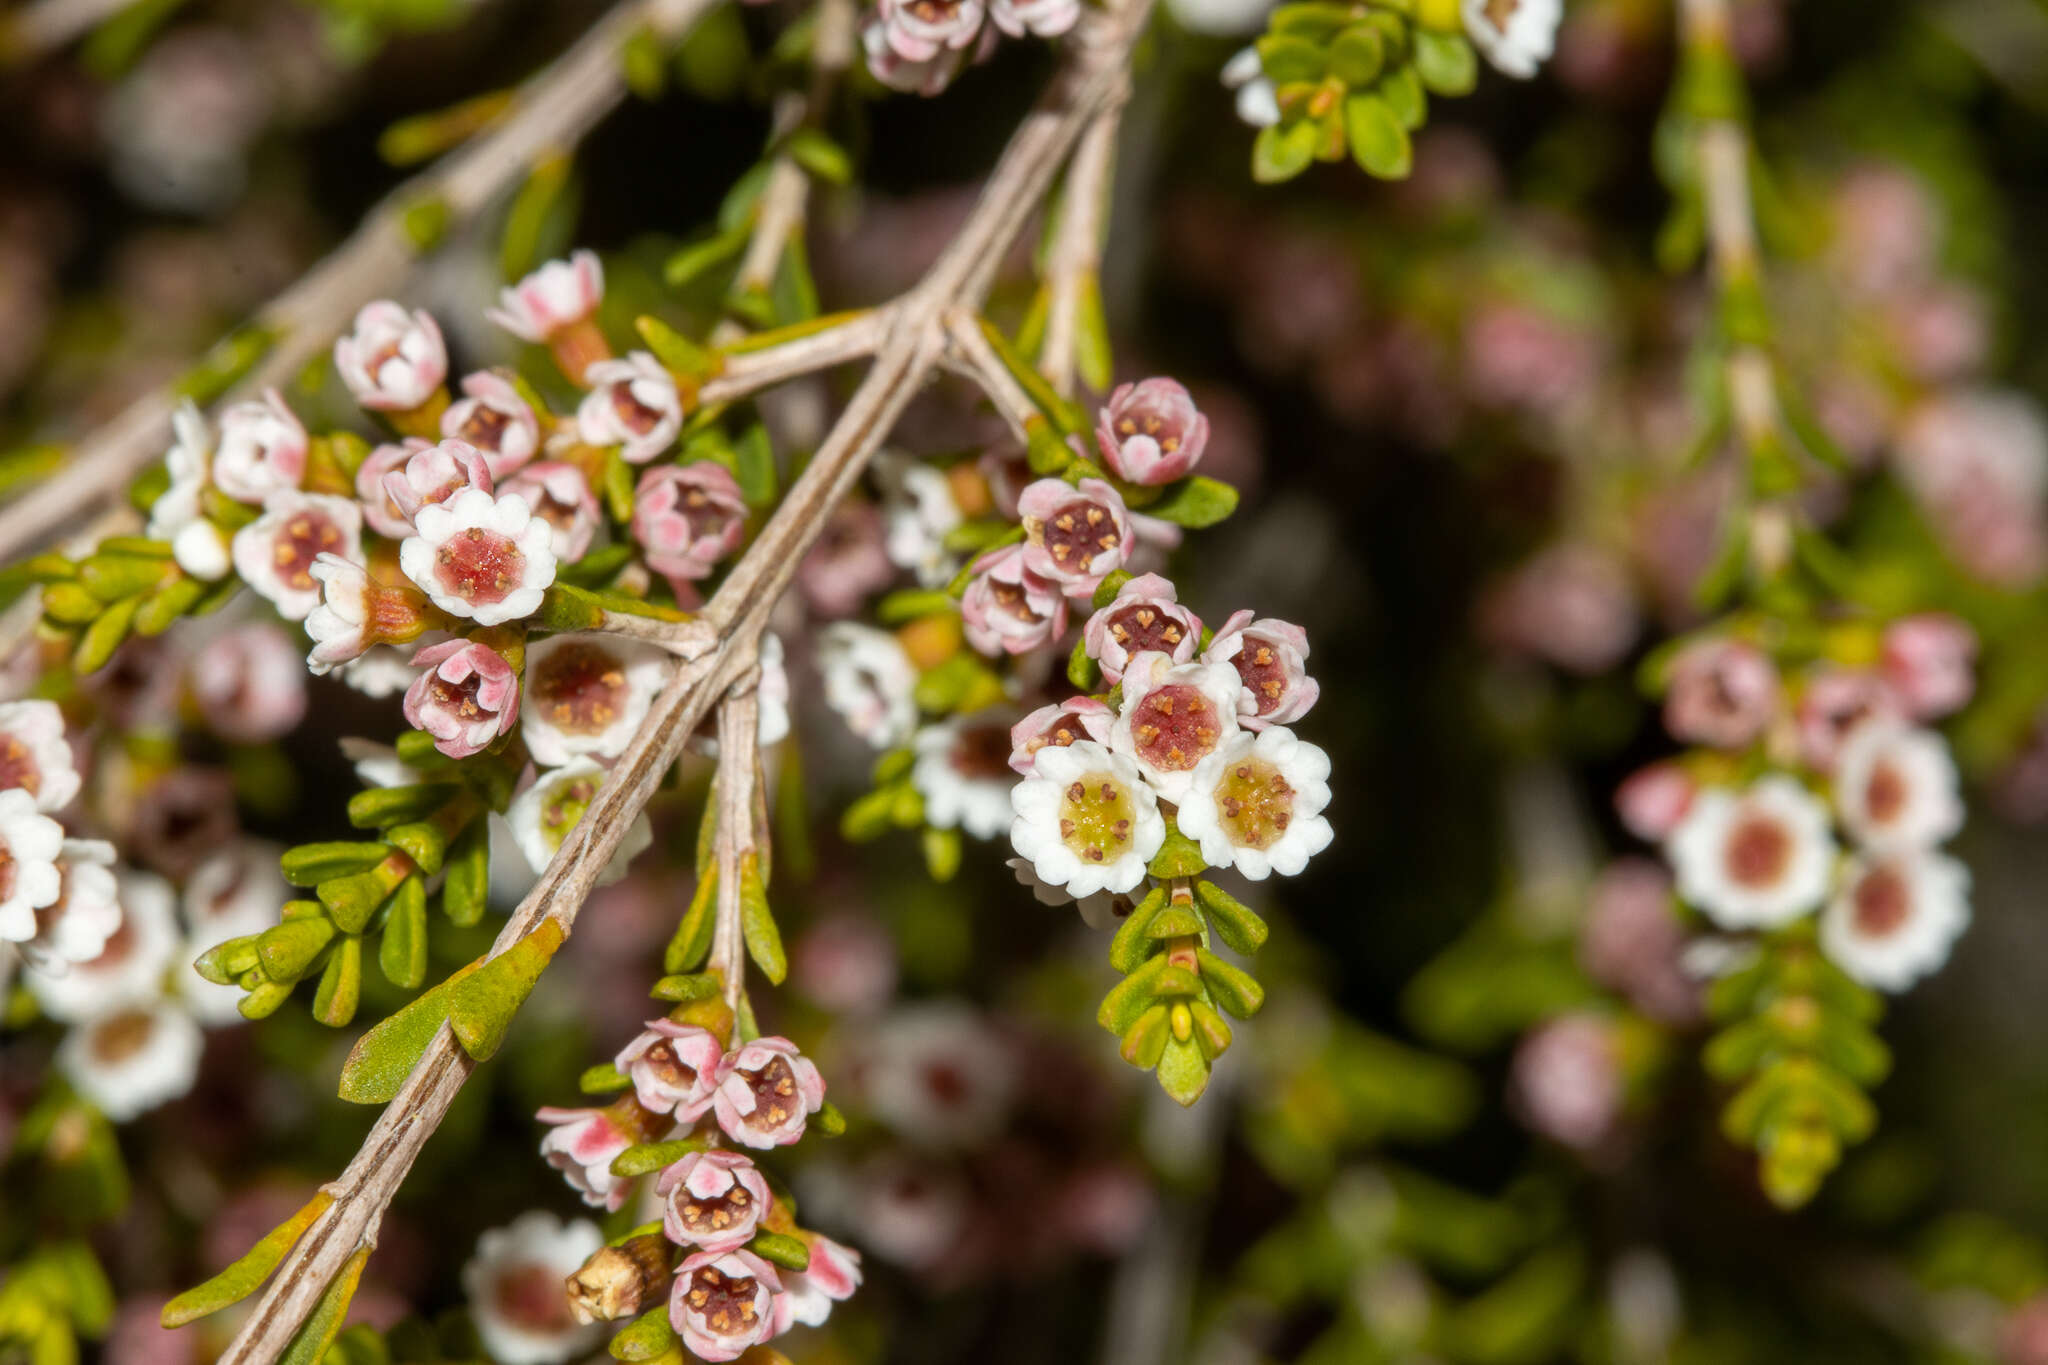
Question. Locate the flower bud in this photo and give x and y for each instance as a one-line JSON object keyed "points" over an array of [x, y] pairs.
{"points": [[392, 360]]}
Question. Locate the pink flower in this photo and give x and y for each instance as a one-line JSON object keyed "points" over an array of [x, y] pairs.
{"points": [[262, 449], [393, 361], [1174, 716], [584, 1142], [1652, 800], [1075, 535], [1042, 18], [1632, 940], [808, 1294], [849, 561], [1145, 615], [927, 77], [486, 559], [558, 295], [723, 1303], [687, 518], [250, 683], [1150, 432], [35, 754], [561, 496], [1271, 661], [1571, 603], [433, 475], [632, 404], [1835, 702], [1722, 693], [674, 1068], [919, 30], [493, 417], [274, 554], [767, 1091], [714, 1200], [1566, 1080], [383, 513], [467, 697], [1009, 609], [357, 613], [1059, 724], [1929, 659]]}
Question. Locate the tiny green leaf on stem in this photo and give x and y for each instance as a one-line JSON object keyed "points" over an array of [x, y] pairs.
{"points": [[764, 940], [645, 1158], [779, 1249], [402, 952], [480, 1009], [241, 1278], [692, 939]]}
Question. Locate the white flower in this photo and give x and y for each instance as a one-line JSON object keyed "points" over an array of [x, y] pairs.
{"points": [[1515, 36], [130, 968], [381, 671], [262, 449], [1086, 819], [274, 554], [632, 404], [484, 558], [918, 509], [1221, 18], [1257, 103], [587, 694], [196, 543], [393, 360], [870, 681], [1896, 788], [1896, 917], [233, 894], [34, 755], [134, 1058], [76, 926], [1174, 716], [30, 845], [808, 1295], [542, 816], [1257, 803], [963, 773], [518, 1293], [1097, 911], [1756, 859]]}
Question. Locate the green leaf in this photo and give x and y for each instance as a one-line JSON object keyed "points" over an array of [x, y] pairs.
{"points": [[1236, 924], [312, 864], [480, 1009], [830, 1121], [683, 989], [1179, 856], [384, 1056], [325, 1321], [697, 258], [1183, 1071], [764, 940], [1402, 90], [942, 848], [402, 952], [1286, 58], [1232, 986], [287, 950], [618, 486], [753, 466], [1145, 1041], [1379, 144], [649, 1338], [1130, 997], [1195, 502], [645, 1158], [1282, 151], [821, 156], [1446, 62], [546, 199], [1133, 944], [1175, 921], [692, 938], [341, 985], [1357, 56], [250, 1270], [791, 1253], [381, 806], [1094, 360], [681, 355], [1081, 670], [467, 888], [602, 1079], [104, 636]]}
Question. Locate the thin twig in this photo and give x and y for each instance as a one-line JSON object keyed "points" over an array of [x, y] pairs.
{"points": [[553, 111], [739, 756], [968, 353], [716, 650], [1074, 260]]}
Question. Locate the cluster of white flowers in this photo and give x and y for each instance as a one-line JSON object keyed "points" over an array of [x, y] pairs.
{"points": [[1765, 855]]}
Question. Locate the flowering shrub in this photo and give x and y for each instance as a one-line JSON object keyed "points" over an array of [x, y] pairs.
{"points": [[680, 706]]}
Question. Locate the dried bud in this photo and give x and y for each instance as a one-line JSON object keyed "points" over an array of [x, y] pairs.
{"points": [[621, 1281]]}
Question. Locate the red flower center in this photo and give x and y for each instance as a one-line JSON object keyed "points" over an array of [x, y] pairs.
{"points": [[636, 416], [1175, 727], [485, 428], [1264, 671], [479, 566], [579, 688], [1141, 626], [1884, 796], [982, 751], [1759, 851], [533, 1297], [18, 766], [1881, 902], [457, 698], [1064, 729], [299, 543], [120, 1036], [775, 1094], [668, 1068], [727, 1304], [715, 1213], [1078, 532]]}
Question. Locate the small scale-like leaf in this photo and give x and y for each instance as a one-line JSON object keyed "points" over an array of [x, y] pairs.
{"points": [[287, 950], [384, 1056], [645, 1158], [1145, 1040], [942, 851], [1235, 923], [602, 1079], [1232, 986], [1379, 143], [1179, 856], [1446, 62], [325, 1321], [757, 922], [1132, 944], [1282, 151], [402, 952], [692, 938], [1131, 997], [1183, 1072], [241, 1278], [466, 889], [480, 1009], [649, 1338], [683, 989], [1194, 502], [341, 984], [790, 1253]]}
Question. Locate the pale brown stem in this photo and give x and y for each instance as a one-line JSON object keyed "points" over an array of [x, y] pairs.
{"points": [[968, 353], [739, 753], [1075, 255], [553, 111], [715, 651]]}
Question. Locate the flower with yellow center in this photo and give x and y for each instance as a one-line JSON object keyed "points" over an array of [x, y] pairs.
{"points": [[1086, 819]]}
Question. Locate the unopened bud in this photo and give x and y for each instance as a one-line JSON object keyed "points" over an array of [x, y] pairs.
{"points": [[620, 1281]]}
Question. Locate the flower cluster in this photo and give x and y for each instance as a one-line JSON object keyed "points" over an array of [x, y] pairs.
{"points": [[746, 1273], [921, 45]]}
